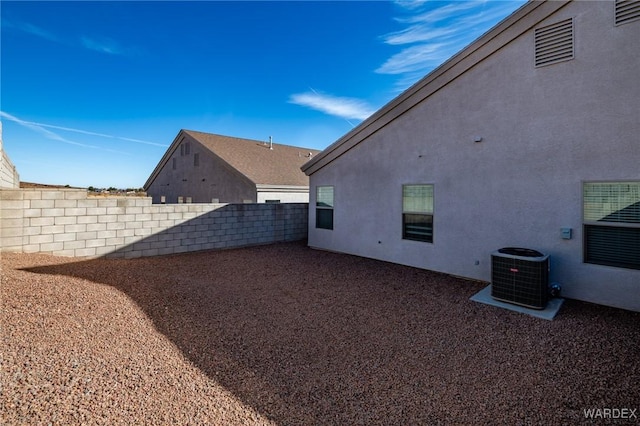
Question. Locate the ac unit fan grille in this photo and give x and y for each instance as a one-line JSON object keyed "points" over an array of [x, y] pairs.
{"points": [[520, 281]]}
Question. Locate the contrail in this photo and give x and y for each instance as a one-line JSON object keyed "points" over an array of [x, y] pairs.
{"points": [[86, 132], [43, 127]]}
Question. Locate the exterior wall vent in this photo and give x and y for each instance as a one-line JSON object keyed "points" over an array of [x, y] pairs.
{"points": [[554, 43], [627, 11]]}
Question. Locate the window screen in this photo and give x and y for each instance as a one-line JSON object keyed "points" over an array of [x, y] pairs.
{"points": [[417, 213], [324, 207], [612, 223]]}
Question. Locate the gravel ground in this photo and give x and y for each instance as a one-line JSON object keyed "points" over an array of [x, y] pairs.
{"points": [[283, 334]]}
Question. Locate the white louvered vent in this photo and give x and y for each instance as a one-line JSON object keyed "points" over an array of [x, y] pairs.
{"points": [[554, 43], [627, 11]]}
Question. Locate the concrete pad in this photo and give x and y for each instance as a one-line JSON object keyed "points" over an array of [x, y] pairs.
{"points": [[548, 313]]}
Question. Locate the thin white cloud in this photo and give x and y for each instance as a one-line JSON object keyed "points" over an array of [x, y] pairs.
{"points": [[31, 29], [347, 108], [414, 58], [445, 12], [416, 34], [435, 31], [410, 4], [104, 45], [486, 19], [37, 127]]}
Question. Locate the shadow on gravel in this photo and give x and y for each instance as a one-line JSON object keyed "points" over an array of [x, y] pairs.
{"points": [[311, 337]]}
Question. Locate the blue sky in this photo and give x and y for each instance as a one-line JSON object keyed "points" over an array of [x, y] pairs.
{"points": [[93, 93]]}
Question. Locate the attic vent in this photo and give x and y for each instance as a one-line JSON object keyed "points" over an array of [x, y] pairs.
{"points": [[627, 11], [554, 43]]}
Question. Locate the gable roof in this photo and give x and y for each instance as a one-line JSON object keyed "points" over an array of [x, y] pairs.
{"points": [[251, 158], [514, 25]]}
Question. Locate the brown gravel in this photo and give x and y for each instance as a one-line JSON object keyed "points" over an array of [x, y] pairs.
{"points": [[283, 334]]}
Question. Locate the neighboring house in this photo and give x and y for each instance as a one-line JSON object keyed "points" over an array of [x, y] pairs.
{"points": [[9, 177], [529, 137], [204, 168]]}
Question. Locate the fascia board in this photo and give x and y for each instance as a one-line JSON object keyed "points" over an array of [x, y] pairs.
{"points": [[165, 158], [281, 188]]}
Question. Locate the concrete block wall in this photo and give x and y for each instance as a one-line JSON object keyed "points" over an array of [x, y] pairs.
{"points": [[9, 177], [67, 222]]}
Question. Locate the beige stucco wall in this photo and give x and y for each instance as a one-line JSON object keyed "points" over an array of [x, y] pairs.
{"points": [[544, 131], [284, 194]]}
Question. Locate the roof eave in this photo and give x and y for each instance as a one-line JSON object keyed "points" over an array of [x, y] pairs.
{"points": [[163, 160]]}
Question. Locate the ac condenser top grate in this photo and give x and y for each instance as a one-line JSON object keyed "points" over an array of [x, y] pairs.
{"points": [[520, 276]]}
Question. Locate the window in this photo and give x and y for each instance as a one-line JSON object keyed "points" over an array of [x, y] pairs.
{"points": [[417, 213], [324, 207], [174, 163], [180, 200], [196, 160], [187, 148], [272, 201], [611, 213]]}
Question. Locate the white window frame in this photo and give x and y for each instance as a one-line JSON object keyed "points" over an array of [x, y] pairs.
{"points": [[603, 212], [324, 208], [427, 210]]}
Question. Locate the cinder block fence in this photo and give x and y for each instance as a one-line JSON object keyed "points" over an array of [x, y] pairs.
{"points": [[67, 222]]}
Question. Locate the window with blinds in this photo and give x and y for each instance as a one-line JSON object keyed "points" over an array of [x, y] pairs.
{"points": [[324, 207], [417, 213], [611, 213]]}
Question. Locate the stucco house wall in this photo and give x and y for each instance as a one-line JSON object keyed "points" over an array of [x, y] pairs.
{"points": [[543, 132]]}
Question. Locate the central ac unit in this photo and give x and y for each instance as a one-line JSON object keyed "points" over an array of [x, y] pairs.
{"points": [[520, 276]]}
